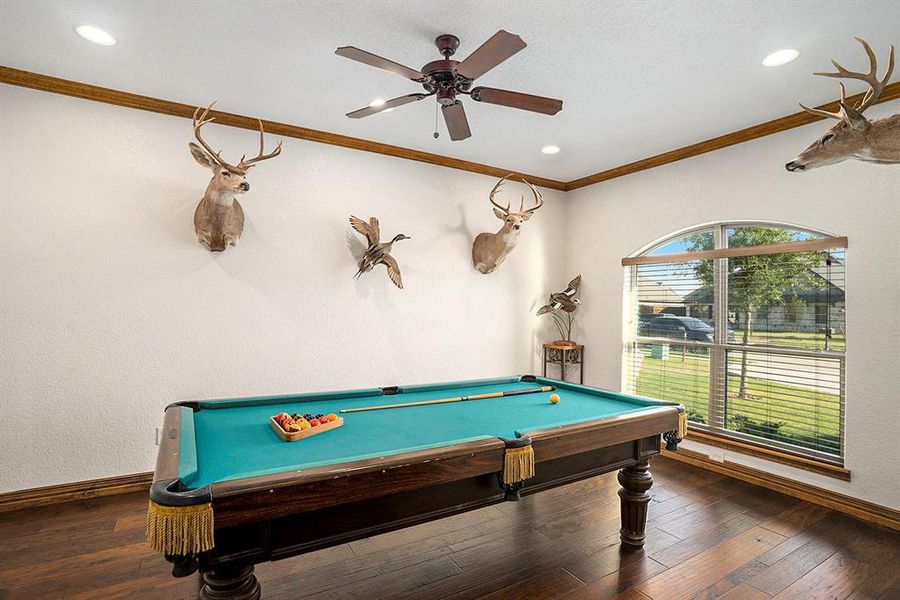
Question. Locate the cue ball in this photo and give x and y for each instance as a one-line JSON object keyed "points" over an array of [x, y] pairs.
{"points": [[554, 398]]}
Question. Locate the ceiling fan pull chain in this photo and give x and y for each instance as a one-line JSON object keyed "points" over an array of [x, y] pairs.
{"points": [[436, 134]]}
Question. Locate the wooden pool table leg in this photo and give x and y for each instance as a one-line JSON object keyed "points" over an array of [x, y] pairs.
{"points": [[232, 582], [635, 482]]}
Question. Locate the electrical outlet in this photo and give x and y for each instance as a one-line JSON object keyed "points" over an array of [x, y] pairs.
{"points": [[158, 435]]}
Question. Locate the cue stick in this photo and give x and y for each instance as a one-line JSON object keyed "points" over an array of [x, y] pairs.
{"points": [[546, 388]]}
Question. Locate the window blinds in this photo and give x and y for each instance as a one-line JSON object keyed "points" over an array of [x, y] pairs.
{"points": [[750, 339]]}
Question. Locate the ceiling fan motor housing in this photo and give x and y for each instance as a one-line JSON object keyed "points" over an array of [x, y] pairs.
{"points": [[441, 79], [441, 76]]}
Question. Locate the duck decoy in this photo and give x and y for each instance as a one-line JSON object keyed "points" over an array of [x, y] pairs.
{"points": [[376, 251], [564, 300]]}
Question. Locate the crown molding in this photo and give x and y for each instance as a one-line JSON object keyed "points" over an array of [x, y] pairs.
{"points": [[96, 93], [798, 119]]}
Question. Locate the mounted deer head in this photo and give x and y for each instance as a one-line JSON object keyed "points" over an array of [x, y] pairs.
{"points": [[854, 136], [490, 249], [219, 218]]}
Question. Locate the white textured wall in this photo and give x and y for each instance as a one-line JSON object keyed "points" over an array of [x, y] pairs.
{"points": [[748, 181], [109, 309]]}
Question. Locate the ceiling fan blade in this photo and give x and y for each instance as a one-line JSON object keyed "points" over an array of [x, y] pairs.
{"points": [[547, 106], [371, 110], [498, 48], [354, 53], [457, 124]]}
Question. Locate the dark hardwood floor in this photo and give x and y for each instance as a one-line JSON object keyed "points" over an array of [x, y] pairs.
{"points": [[708, 537]]}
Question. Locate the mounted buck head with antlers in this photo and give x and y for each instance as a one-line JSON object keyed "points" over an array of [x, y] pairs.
{"points": [[490, 249], [854, 136], [219, 218]]}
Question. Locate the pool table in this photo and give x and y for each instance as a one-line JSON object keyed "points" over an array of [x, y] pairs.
{"points": [[267, 499]]}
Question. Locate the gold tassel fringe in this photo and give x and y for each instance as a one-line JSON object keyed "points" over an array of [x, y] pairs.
{"points": [[518, 464], [180, 529], [682, 426]]}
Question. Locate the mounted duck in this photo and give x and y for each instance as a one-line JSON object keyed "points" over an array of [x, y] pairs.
{"points": [[376, 251]]}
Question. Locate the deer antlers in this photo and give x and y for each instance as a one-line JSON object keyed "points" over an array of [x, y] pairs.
{"points": [[538, 198], [244, 164], [876, 86]]}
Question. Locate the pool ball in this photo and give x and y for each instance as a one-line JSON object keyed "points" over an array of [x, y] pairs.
{"points": [[554, 398]]}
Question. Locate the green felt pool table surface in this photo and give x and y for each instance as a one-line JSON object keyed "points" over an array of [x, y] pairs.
{"points": [[232, 439]]}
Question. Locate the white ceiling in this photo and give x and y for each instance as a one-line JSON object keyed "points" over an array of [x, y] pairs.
{"points": [[636, 78]]}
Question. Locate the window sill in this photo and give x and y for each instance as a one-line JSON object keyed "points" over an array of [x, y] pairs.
{"points": [[779, 456]]}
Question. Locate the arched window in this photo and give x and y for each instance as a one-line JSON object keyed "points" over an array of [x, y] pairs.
{"points": [[744, 324]]}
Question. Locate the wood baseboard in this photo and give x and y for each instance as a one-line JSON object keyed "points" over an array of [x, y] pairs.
{"points": [[778, 456], [78, 490], [867, 511]]}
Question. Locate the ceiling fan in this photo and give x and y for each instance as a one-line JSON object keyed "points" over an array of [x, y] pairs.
{"points": [[446, 78]]}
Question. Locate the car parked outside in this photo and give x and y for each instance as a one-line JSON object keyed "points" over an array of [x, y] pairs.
{"points": [[679, 328]]}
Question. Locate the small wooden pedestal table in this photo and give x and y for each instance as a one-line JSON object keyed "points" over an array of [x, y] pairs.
{"points": [[563, 354]]}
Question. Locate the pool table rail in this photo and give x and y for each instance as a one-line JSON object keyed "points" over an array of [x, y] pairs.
{"points": [[282, 494], [564, 440], [167, 488]]}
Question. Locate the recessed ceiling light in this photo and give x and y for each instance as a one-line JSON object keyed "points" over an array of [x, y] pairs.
{"points": [[387, 110], [96, 35], [550, 149], [781, 57], [376, 102]]}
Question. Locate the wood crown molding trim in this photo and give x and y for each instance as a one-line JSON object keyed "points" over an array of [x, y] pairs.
{"points": [[804, 246], [861, 509], [798, 119], [87, 91], [78, 490], [779, 456]]}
